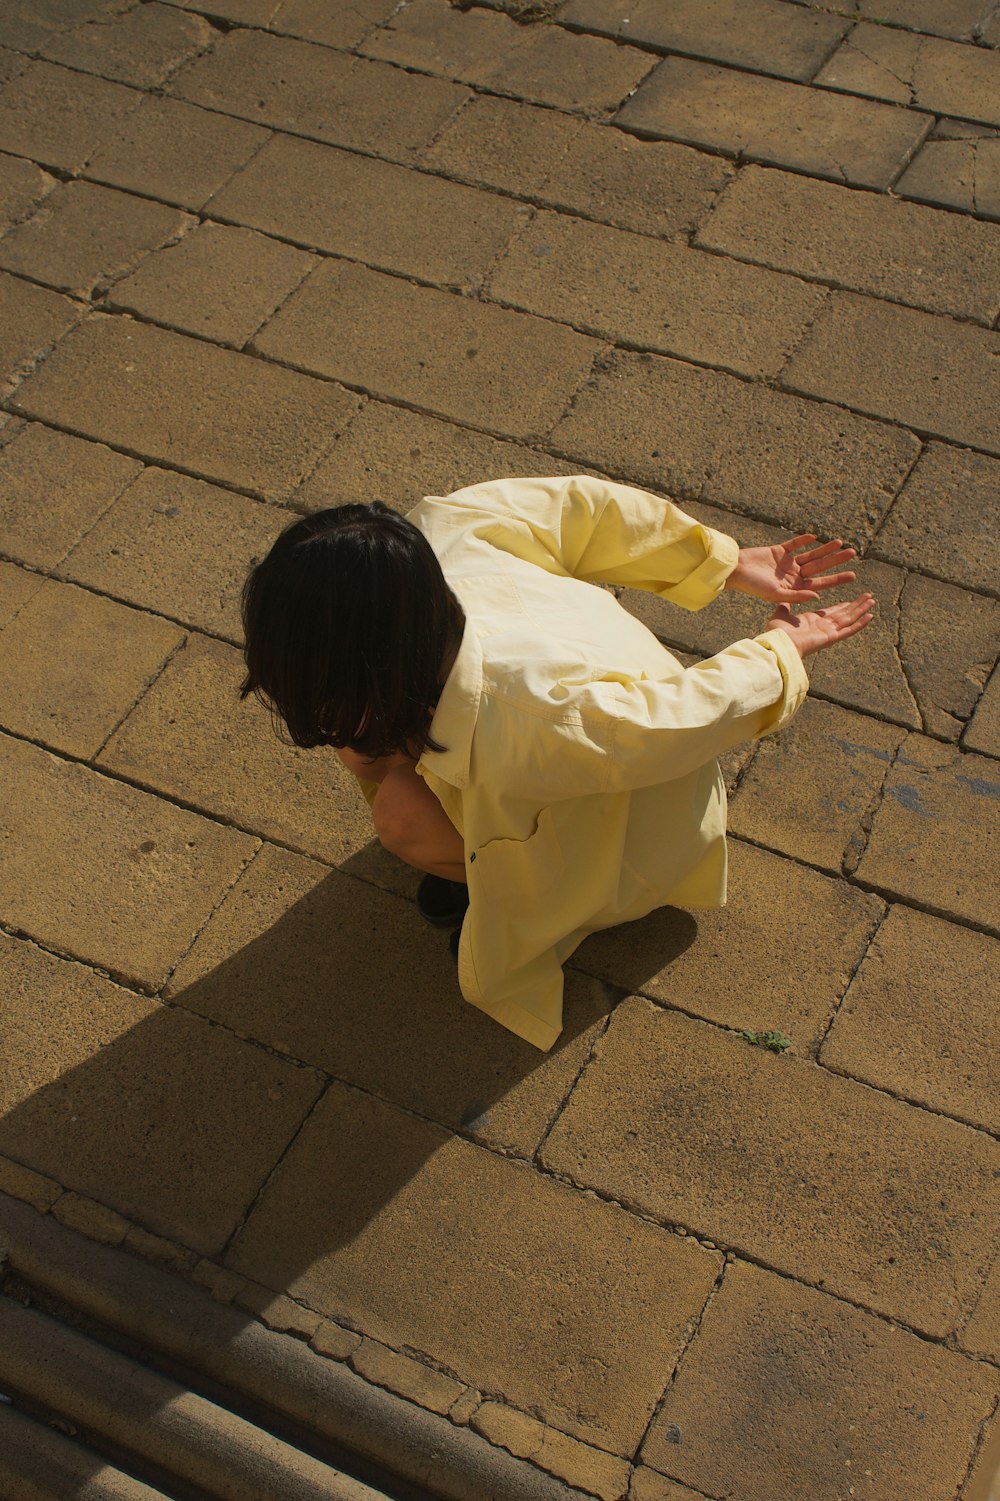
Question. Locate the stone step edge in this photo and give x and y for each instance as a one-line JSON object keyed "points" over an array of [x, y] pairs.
{"points": [[251, 1341]]}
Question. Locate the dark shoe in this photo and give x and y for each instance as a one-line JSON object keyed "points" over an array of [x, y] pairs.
{"points": [[442, 902]]}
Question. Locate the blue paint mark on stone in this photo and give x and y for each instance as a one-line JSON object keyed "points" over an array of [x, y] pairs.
{"points": [[980, 786], [910, 799]]}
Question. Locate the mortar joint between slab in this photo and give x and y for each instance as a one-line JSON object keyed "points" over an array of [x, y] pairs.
{"points": [[824, 1032]]}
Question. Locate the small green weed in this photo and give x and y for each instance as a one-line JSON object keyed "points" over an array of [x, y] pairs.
{"points": [[776, 1042]]}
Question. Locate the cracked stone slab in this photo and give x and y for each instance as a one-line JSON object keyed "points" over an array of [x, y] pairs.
{"points": [[254, 425], [935, 834], [936, 375], [947, 518], [53, 488], [103, 871], [702, 435], [84, 237], [781, 124], [732, 966], [191, 738], [759, 35], [32, 320], [72, 664], [923, 72], [963, 20], [382, 1220], [335, 25], [983, 733], [809, 788], [982, 1333], [142, 47], [958, 168], [670, 298], [59, 117], [351, 980], [17, 586], [773, 1359], [28, 26], [178, 546], [143, 1107], [819, 1176], [22, 185], [865, 241], [920, 1018]]}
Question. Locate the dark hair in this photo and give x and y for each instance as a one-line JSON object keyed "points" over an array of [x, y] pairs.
{"points": [[347, 622]]}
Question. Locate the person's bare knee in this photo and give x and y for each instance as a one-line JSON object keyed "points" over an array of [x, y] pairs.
{"points": [[396, 810]]}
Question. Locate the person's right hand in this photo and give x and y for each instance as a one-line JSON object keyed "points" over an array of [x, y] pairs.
{"points": [[814, 629]]}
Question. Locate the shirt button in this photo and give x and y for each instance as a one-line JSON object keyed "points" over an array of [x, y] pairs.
{"points": [[472, 858]]}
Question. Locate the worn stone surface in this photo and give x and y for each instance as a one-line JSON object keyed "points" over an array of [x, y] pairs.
{"points": [[72, 664], [949, 641], [960, 172], [27, 25], [17, 586], [32, 320], [53, 488], [938, 376], [293, 929], [947, 518], [783, 124], [699, 434], [92, 1219], [509, 1429], [418, 1383], [30, 1187], [489, 366], [981, 1334], [544, 64], [84, 237], [130, 879], [139, 1106], [160, 1249], [873, 244], [333, 1341], [773, 1359], [192, 738], [934, 837], [398, 456], [924, 72], [655, 187], [22, 185], [983, 733], [649, 1485], [337, 26], [826, 1179], [918, 1019], [809, 788], [177, 546], [59, 117], [252, 425], [218, 282], [222, 1284], [734, 966], [314, 91], [408, 1230], [142, 47], [175, 151], [669, 298], [961, 19], [581, 1465], [370, 211], [754, 34]]}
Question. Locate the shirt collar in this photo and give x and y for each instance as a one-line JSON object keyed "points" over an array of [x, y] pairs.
{"points": [[455, 716]]}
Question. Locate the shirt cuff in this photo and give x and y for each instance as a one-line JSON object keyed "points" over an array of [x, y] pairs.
{"points": [[707, 581], [793, 672]]}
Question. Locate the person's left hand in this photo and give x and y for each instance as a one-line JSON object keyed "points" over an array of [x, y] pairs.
{"points": [[781, 574]]}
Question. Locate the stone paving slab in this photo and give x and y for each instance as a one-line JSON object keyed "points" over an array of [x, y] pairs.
{"points": [[378, 1219], [699, 434], [934, 837], [59, 117], [874, 1202], [53, 488], [964, 20], [28, 26], [670, 298], [253, 426], [191, 738], [263, 967], [22, 185], [85, 236], [17, 586], [947, 518], [983, 733], [72, 664], [317, 92], [733, 967], [177, 546], [217, 282], [782, 124], [764, 35], [959, 169], [808, 790], [787, 1392], [882, 246], [175, 151], [943, 77], [318, 21], [377, 212], [168, 1120], [982, 1333], [919, 1019], [938, 376], [648, 1485], [655, 187], [32, 319], [142, 47], [103, 871], [485, 365]]}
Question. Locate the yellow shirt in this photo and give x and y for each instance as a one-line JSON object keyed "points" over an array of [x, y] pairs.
{"points": [[579, 762]]}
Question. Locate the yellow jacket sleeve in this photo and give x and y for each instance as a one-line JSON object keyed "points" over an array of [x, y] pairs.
{"points": [[597, 531]]}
